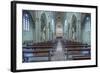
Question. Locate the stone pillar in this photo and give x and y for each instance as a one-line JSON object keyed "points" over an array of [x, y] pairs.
{"points": [[37, 28], [79, 31]]}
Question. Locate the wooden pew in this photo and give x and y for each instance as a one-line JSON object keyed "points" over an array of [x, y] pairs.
{"points": [[78, 54], [76, 50], [81, 57], [38, 52]]}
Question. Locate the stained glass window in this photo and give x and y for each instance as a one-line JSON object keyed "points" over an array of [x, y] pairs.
{"points": [[26, 22]]}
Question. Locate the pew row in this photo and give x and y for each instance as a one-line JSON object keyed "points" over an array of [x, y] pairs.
{"points": [[76, 50], [38, 52]]}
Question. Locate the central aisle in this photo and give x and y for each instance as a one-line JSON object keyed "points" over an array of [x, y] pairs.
{"points": [[59, 53]]}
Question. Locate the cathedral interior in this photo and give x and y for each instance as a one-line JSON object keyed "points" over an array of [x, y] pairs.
{"points": [[55, 36]]}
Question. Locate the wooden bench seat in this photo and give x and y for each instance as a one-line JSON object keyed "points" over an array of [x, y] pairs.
{"points": [[81, 57], [78, 49], [38, 52], [37, 59]]}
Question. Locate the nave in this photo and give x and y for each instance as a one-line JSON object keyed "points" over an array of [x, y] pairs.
{"points": [[58, 50], [55, 36]]}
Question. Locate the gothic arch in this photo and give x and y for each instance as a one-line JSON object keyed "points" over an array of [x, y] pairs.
{"points": [[43, 26], [74, 26], [43, 21], [74, 22], [86, 29], [27, 19]]}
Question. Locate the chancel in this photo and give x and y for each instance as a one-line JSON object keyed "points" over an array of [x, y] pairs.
{"points": [[55, 36]]}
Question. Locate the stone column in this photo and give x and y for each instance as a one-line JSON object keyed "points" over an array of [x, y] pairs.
{"points": [[37, 27], [79, 31]]}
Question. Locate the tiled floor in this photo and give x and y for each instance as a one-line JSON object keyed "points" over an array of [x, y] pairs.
{"points": [[59, 53]]}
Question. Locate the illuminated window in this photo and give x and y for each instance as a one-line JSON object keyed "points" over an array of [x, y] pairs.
{"points": [[26, 22], [53, 25]]}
